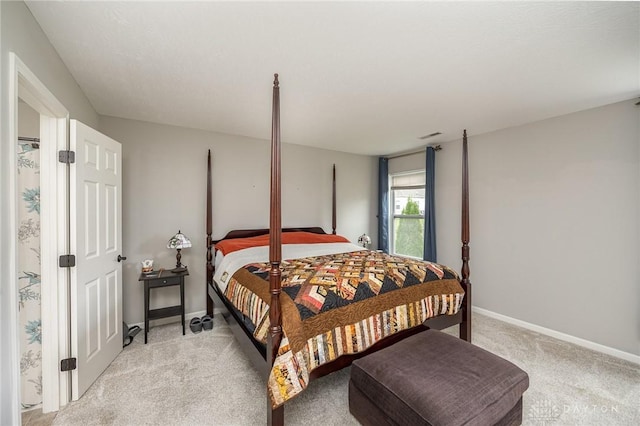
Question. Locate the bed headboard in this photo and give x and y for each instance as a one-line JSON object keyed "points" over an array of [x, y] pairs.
{"points": [[246, 233]]}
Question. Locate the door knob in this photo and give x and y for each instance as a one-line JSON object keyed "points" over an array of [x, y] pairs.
{"points": [[120, 258]]}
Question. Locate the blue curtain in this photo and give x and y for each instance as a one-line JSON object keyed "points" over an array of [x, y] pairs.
{"points": [[430, 207], [383, 204]]}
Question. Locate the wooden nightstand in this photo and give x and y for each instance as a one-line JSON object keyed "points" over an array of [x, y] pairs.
{"points": [[162, 279]]}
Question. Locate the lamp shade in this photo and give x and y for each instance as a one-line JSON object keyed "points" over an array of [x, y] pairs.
{"points": [[364, 240], [179, 241]]}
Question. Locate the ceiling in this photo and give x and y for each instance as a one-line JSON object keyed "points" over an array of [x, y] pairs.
{"points": [[361, 77]]}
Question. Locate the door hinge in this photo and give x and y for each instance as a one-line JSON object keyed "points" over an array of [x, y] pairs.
{"points": [[67, 157], [67, 261], [68, 364]]}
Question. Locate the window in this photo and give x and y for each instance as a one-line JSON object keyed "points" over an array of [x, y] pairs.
{"points": [[407, 198]]}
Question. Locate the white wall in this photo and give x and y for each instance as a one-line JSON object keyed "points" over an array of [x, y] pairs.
{"points": [[164, 180], [22, 35], [554, 222]]}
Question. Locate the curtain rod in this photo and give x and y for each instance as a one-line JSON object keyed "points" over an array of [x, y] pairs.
{"points": [[35, 142], [406, 154], [22, 138]]}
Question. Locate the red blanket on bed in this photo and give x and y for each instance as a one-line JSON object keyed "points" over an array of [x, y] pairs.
{"points": [[235, 244]]}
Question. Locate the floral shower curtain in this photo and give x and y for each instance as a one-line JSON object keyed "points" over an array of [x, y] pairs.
{"points": [[29, 274]]}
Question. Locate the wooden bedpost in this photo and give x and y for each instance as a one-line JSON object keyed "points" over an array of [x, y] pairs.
{"points": [[209, 241], [333, 205], [275, 416], [465, 326]]}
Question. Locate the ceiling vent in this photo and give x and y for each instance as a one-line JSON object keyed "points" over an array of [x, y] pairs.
{"points": [[429, 136]]}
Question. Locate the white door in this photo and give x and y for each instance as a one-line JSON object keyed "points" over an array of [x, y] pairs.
{"points": [[96, 240]]}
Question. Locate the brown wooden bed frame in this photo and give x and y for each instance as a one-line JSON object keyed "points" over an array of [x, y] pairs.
{"points": [[262, 358]]}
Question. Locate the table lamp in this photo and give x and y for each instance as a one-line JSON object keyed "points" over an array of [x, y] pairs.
{"points": [[364, 240], [179, 241]]}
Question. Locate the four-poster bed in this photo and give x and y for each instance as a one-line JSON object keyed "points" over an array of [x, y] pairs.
{"points": [[410, 296]]}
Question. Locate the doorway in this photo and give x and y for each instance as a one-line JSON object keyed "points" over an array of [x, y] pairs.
{"points": [[70, 196], [29, 97]]}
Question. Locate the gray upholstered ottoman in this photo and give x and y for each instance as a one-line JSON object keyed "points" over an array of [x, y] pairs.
{"points": [[436, 379]]}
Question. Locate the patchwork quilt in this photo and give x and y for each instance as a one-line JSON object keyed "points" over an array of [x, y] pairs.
{"points": [[340, 304]]}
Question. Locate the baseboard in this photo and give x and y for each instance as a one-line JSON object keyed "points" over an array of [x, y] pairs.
{"points": [[561, 336], [162, 321]]}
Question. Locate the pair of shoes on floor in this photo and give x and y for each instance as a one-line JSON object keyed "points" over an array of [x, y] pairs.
{"points": [[198, 324]]}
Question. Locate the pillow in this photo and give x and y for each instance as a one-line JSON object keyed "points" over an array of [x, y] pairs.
{"points": [[235, 244]]}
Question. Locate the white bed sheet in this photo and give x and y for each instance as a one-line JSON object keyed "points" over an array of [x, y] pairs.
{"points": [[237, 259]]}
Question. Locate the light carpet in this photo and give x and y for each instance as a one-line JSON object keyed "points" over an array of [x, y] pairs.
{"points": [[205, 379]]}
